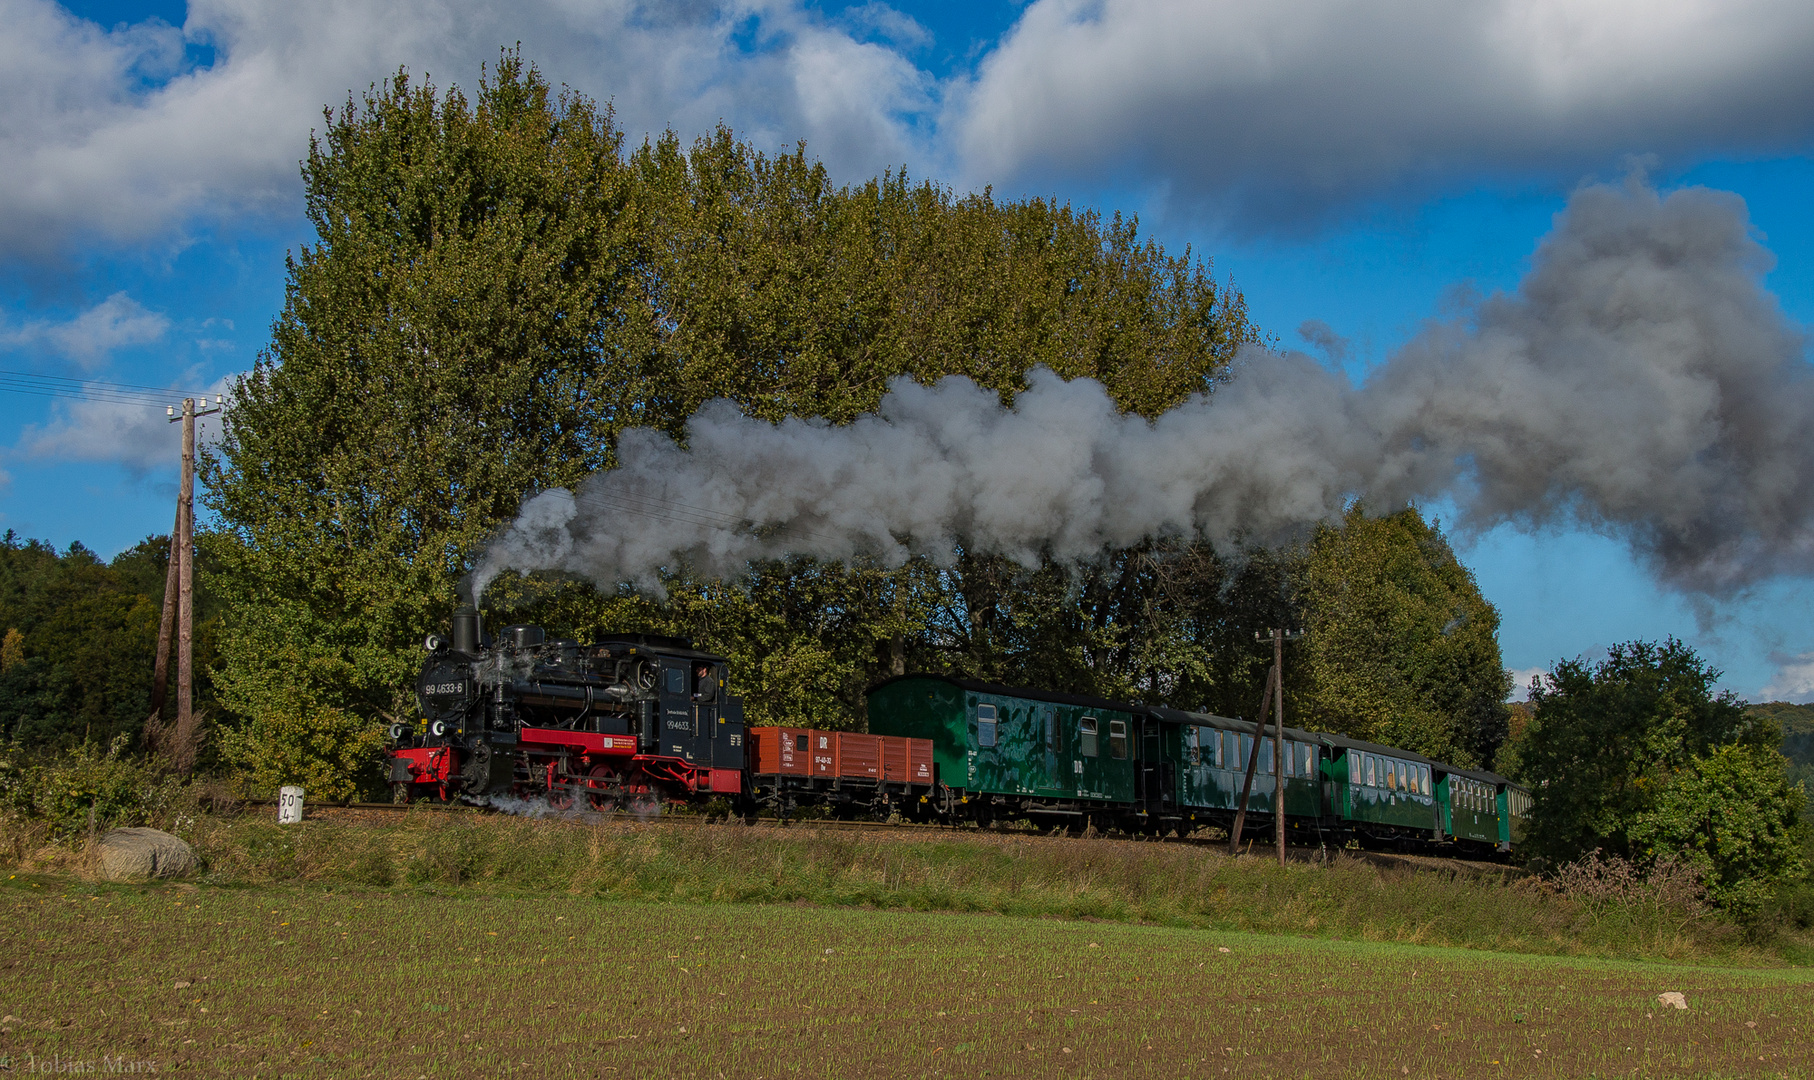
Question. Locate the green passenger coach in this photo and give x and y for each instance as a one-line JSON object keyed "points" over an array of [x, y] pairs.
{"points": [[1382, 793], [1055, 759], [1483, 810], [1208, 756]]}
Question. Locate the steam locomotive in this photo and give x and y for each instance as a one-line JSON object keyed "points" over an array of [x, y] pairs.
{"points": [[625, 722], [633, 721]]}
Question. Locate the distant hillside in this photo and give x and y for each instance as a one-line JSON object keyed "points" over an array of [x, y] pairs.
{"points": [[1797, 722]]}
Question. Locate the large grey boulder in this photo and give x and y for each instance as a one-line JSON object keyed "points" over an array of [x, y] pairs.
{"points": [[139, 854]]}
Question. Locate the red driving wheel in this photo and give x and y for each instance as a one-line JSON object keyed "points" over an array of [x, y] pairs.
{"points": [[605, 787], [641, 796]]}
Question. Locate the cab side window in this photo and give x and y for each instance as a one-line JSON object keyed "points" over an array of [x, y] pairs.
{"points": [[1086, 736], [705, 683], [985, 725], [676, 679]]}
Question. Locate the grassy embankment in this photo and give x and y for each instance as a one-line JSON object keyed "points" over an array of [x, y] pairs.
{"points": [[304, 980], [1177, 885]]}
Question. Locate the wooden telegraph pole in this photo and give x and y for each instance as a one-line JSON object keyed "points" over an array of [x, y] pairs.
{"points": [[1273, 694], [179, 606]]}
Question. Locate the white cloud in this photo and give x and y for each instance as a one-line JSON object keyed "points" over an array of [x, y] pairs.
{"points": [[1521, 681], [1273, 111], [107, 134], [1794, 679], [89, 338], [139, 437], [1258, 113]]}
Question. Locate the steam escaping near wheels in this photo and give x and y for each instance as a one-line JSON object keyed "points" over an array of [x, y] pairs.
{"points": [[1640, 382]]}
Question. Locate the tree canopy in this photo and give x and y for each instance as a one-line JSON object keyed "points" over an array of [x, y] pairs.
{"points": [[78, 638], [1636, 755], [497, 289], [1402, 648]]}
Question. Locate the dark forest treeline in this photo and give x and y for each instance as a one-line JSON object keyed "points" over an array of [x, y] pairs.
{"points": [[78, 638]]}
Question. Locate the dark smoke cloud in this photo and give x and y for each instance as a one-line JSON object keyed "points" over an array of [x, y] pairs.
{"points": [[1320, 335], [1640, 382]]}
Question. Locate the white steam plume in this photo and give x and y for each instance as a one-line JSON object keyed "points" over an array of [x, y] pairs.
{"points": [[1640, 381]]}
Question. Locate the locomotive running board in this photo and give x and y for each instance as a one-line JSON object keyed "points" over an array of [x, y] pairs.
{"points": [[589, 742]]}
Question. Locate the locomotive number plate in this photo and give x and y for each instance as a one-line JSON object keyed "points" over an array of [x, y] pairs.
{"points": [[438, 689]]}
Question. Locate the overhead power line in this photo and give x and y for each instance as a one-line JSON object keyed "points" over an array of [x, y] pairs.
{"points": [[38, 385]]}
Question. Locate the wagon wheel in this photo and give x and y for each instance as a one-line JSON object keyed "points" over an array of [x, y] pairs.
{"points": [[604, 788]]}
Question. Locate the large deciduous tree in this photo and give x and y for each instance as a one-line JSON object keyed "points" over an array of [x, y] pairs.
{"points": [[497, 289], [1402, 647]]}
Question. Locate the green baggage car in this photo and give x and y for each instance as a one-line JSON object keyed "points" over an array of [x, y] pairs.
{"points": [[1005, 753]]}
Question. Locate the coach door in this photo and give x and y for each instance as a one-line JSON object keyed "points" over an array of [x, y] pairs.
{"points": [[1158, 788], [1047, 721], [679, 720]]}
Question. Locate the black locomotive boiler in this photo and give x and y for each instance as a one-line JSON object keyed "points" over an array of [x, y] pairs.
{"points": [[625, 722]]}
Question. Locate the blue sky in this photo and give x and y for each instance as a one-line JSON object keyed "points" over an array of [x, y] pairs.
{"points": [[1367, 165]]}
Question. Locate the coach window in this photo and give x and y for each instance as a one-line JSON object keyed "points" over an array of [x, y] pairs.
{"points": [[1309, 761], [1051, 720], [1118, 738], [985, 725], [1193, 750], [1086, 736], [1423, 772], [1231, 750]]}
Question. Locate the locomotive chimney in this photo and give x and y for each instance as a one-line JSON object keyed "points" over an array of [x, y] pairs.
{"points": [[466, 629]]}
